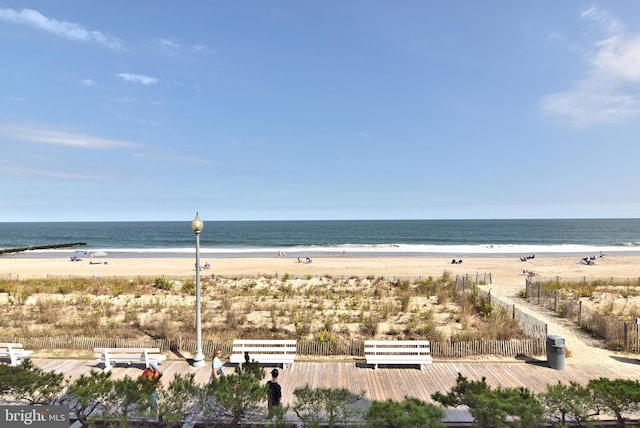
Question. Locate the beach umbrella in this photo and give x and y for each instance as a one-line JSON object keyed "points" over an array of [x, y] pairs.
{"points": [[99, 254]]}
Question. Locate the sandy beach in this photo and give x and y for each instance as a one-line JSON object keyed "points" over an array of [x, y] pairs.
{"points": [[505, 271]]}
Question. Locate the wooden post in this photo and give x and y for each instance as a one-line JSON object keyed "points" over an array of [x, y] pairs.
{"points": [[626, 335], [579, 312]]}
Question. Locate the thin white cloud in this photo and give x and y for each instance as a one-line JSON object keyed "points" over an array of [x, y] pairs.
{"points": [[126, 100], [556, 36], [9, 169], [610, 93], [88, 82], [35, 134], [173, 48], [173, 158], [139, 78], [64, 29]]}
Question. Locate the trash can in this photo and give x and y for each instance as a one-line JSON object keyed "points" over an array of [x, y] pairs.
{"points": [[556, 351]]}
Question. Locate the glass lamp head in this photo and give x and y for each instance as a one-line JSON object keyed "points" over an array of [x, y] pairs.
{"points": [[197, 224]]}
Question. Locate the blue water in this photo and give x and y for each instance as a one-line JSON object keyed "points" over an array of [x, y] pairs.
{"points": [[317, 238]]}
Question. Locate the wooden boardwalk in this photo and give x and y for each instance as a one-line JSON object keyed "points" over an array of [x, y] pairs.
{"points": [[386, 382]]}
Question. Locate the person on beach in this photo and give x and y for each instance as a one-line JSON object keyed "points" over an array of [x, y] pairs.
{"points": [[216, 366], [275, 392]]}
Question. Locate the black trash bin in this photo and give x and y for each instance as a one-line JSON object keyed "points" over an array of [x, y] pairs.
{"points": [[556, 351]]}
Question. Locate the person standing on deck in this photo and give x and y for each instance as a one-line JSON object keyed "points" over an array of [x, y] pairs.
{"points": [[275, 391], [216, 366]]}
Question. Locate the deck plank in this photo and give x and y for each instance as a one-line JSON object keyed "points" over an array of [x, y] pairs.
{"points": [[384, 383]]}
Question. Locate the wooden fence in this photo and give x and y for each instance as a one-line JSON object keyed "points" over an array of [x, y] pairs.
{"points": [[354, 348], [617, 333], [530, 325]]}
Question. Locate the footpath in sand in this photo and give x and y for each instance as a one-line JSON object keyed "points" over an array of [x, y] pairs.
{"points": [[580, 346]]}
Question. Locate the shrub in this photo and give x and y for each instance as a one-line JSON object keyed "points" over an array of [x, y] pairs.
{"points": [[411, 412], [335, 406], [189, 287], [163, 283]]}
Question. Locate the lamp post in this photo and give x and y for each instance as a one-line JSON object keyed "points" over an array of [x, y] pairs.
{"points": [[198, 360]]}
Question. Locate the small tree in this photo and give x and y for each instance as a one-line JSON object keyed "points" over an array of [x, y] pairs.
{"points": [[237, 394], [88, 394], [617, 396], [573, 401], [128, 397], [411, 412], [510, 407], [179, 400], [315, 405], [29, 384]]}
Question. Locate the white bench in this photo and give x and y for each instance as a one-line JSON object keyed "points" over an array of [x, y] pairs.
{"points": [[15, 352], [112, 356], [414, 352], [264, 351]]}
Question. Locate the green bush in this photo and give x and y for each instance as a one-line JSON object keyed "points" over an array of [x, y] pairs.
{"points": [[411, 412], [163, 283]]}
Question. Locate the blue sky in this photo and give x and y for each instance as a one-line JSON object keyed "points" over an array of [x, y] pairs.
{"points": [[265, 110]]}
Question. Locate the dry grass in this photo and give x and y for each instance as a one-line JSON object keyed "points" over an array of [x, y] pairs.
{"points": [[324, 308], [618, 299]]}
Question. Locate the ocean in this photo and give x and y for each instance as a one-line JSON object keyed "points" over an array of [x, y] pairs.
{"points": [[329, 238]]}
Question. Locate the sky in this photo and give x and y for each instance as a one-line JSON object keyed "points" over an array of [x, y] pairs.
{"points": [[340, 109]]}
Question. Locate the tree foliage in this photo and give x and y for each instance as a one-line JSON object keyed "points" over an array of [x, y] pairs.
{"points": [[29, 384], [618, 396], [88, 394], [239, 394], [411, 412], [502, 407], [564, 403], [128, 398], [179, 400], [316, 405]]}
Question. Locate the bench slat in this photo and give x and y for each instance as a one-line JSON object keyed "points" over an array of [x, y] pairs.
{"points": [[406, 358], [265, 350], [262, 357], [389, 351], [121, 350], [415, 343]]}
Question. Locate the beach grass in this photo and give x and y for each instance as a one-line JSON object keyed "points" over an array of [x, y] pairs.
{"points": [[321, 308]]}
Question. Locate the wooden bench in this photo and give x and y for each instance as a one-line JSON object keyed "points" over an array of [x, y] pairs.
{"points": [[15, 352], [112, 356], [264, 351], [414, 352]]}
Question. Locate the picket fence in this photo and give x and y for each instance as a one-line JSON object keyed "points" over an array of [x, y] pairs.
{"points": [[619, 334], [353, 348]]}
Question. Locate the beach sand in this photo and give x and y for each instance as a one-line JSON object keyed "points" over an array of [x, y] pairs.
{"points": [[505, 271]]}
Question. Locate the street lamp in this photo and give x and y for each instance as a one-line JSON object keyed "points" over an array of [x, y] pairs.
{"points": [[198, 360]]}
